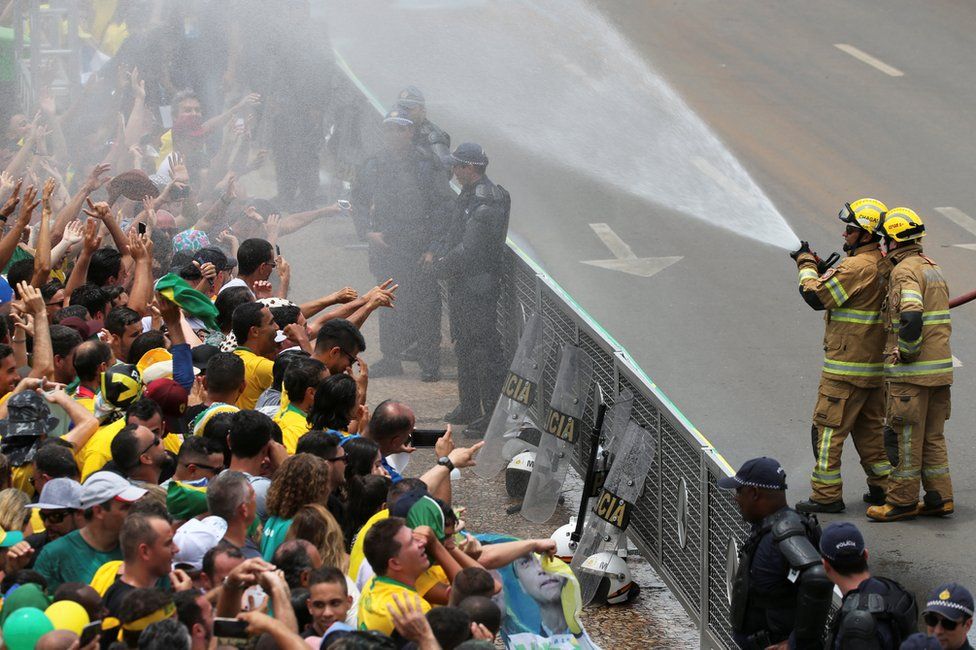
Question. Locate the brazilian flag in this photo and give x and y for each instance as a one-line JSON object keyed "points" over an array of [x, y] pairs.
{"points": [[175, 289]]}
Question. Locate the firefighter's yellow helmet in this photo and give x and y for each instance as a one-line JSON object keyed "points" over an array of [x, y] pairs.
{"points": [[865, 213], [901, 225]]}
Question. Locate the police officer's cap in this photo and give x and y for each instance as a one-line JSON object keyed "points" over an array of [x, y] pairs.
{"points": [[469, 153], [764, 473], [950, 600], [841, 539], [397, 116], [411, 96]]}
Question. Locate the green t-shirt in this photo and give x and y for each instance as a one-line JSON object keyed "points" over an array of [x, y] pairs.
{"points": [[71, 559], [273, 536]]}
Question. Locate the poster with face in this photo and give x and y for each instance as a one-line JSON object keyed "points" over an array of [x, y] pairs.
{"points": [[542, 604]]}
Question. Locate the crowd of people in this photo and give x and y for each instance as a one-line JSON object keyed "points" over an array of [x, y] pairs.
{"points": [[189, 458]]}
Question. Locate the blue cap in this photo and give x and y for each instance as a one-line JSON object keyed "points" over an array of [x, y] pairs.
{"points": [[919, 641], [951, 600], [6, 293], [397, 116], [765, 473], [411, 96], [841, 539], [470, 153]]}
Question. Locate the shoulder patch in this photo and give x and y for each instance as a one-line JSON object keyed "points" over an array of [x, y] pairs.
{"points": [[828, 274], [482, 191]]}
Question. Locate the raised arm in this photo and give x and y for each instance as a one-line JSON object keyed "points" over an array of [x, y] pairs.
{"points": [[71, 211], [9, 242], [42, 252]]}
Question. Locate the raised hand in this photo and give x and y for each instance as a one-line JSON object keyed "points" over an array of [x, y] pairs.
{"points": [[27, 207], [11, 205], [95, 179], [92, 240], [100, 210]]}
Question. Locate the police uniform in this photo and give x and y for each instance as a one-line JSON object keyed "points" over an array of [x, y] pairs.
{"points": [[918, 371], [405, 196], [780, 590], [470, 258], [949, 601], [429, 137], [878, 613], [850, 398]]}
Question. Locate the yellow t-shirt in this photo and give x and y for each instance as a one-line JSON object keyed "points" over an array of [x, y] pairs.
{"points": [[356, 555], [172, 443], [36, 523], [98, 450], [373, 614], [20, 478], [430, 578], [257, 377], [294, 424]]}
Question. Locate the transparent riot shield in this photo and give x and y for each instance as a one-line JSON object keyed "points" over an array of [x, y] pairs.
{"points": [[607, 521], [519, 394], [561, 432]]}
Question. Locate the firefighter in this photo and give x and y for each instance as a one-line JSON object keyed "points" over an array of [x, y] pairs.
{"points": [[850, 399], [918, 373]]}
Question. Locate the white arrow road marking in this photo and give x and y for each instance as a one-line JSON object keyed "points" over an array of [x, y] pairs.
{"points": [[864, 57], [961, 219], [956, 363], [624, 259]]}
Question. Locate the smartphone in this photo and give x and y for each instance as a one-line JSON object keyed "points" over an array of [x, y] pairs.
{"points": [[142, 228], [344, 204], [277, 250], [89, 632], [230, 631], [426, 437]]}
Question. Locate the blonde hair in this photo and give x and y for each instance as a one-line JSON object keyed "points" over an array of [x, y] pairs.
{"points": [[13, 513], [314, 523]]}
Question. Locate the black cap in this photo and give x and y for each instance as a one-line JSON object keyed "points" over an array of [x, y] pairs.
{"points": [[28, 415], [470, 153], [841, 539], [201, 355], [950, 600], [398, 116], [764, 472], [216, 257], [411, 96]]}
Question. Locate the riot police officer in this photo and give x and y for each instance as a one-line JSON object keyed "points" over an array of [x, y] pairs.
{"points": [[876, 612], [428, 136], [402, 200], [781, 594], [469, 257], [948, 615]]}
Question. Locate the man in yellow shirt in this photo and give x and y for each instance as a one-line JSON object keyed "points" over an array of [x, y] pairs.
{"points": [[92, 358], [98, 450], [302, 377], [255, 331], [399, 557]]}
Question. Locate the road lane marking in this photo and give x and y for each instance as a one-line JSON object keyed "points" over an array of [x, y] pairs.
{"points": [[624, 259], [960, 218], [956, 363], [723, 181], [864, 57]]}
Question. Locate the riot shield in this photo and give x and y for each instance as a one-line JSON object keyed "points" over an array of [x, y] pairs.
{"points": [[634, 452], [562, 430], [519, 394]]}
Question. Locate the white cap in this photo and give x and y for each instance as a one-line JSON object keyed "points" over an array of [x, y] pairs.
{"points": [[105, 486], [195, 538]]}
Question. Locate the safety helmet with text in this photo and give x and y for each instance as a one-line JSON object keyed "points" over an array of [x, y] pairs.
{"points": [[866, 213], [901, 225]]}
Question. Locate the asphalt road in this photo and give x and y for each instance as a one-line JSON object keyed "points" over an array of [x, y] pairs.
{"points": [[580, 131]]}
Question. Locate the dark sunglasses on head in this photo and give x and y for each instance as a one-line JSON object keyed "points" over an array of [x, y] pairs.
{"points": [[932, 619]]}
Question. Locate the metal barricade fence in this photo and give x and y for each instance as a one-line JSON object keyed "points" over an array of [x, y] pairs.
{"points": [[686, 528], [683, 524]]}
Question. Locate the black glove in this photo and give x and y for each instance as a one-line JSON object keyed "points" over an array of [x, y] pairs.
{"points": [[804, 248], [823, 265]]}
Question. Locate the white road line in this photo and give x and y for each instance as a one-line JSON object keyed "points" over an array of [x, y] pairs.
{"points": [[612, 240], [864, 57], [959, 218], [724, 181], [956, 363]]}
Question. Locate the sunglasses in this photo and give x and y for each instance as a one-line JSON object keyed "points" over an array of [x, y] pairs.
{"points": [[210, 468], [932, 620], [852, 229], [54, 516], [154, 443], [339, 459]]}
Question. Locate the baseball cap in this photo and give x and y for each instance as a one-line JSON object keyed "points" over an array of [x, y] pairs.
{"points": [[85, 328], [950, 600], [10, 537], [841, 539], [216, 257], [59, 494], [764, 472], [105, 486], [172, 399], [470, 153], [27, 415], [397, 116], [202, 354], [411, 96], [195, 538]]}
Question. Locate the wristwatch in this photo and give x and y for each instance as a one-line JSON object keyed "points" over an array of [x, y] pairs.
{"points": [[444, 461]]}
